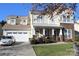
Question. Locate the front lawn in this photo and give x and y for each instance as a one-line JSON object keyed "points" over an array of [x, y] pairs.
{"points": [[54, 50]]}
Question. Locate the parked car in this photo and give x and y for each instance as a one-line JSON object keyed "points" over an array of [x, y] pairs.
{"points": [[7, 40]]}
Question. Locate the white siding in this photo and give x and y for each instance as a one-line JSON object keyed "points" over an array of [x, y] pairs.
{"points": [[76, 27], [23, 22], [46, 20]]}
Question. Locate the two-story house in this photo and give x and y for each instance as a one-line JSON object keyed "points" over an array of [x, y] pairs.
{"points": [[60, 26], [18, 27]]}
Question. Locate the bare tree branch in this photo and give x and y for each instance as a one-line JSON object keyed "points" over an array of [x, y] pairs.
{"points": [[52, 7]]}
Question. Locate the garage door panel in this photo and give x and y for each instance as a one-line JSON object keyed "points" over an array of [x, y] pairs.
{"points": [[20, 37]]}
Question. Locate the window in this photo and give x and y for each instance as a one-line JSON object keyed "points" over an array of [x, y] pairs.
{"points": [[14, 32], [12, 20], [64, 18], [25, 32], [65, 33], [19, 32], [9, 32], [39, 17], [24, 20], [68, 33], [67, 19]]}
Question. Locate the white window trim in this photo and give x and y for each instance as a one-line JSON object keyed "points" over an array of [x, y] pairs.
{"points": [[66, 21], [9, 32], [71, 21], [70, 34], [12, 21]]}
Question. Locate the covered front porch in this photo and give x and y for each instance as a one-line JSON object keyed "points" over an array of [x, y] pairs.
{"points": [[57, 33]]}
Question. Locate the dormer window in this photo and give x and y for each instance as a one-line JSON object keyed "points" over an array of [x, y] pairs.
{"points": [[12, 20], [24, 20]]}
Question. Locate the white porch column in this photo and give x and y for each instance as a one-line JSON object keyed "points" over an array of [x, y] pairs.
{"points": [[61, 35], [60, 32], [33, 31], [52, 31], [43, 31]]}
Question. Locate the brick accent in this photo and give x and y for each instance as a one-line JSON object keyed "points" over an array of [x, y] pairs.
{"points": [[69, 26]]}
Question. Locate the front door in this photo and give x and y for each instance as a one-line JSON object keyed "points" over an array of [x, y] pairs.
{"points": [[56, 34], [48, 32]]}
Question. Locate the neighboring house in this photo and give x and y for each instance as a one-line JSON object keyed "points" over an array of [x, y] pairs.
{"points": [[60, 26], [76, 26], [18, 27], [1, 31]]}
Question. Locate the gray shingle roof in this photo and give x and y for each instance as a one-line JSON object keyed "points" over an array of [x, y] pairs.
{"points": [[16, 27]]}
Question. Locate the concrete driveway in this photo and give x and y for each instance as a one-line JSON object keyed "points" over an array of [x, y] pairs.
{"points": [[19, 49]]}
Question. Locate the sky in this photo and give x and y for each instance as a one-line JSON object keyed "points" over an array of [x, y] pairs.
{"points": [[20, 9], [77, 12]]}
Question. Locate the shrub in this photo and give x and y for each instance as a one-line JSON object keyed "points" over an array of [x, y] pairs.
{"points": [[46, 40], [33, 41], [77, 38], [41, 40], [49, 39], [69, 40], [52, 39]]}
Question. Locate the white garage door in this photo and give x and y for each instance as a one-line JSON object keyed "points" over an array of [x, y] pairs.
{"points": [[19, 36]]}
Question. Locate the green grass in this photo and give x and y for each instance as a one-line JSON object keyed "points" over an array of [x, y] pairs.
{"points": [[54, 50]]}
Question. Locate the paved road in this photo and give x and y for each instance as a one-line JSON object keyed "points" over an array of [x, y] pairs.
{"points": [[17, 50]]}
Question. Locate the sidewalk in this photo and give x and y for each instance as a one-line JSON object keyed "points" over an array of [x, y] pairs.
{"points": [[49, 44]]}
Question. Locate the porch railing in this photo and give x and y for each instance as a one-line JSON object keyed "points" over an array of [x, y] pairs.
{"points": [[45, 24]]}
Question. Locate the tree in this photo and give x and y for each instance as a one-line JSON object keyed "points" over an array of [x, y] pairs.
{"points": [[50, 8], [2, 23]]}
